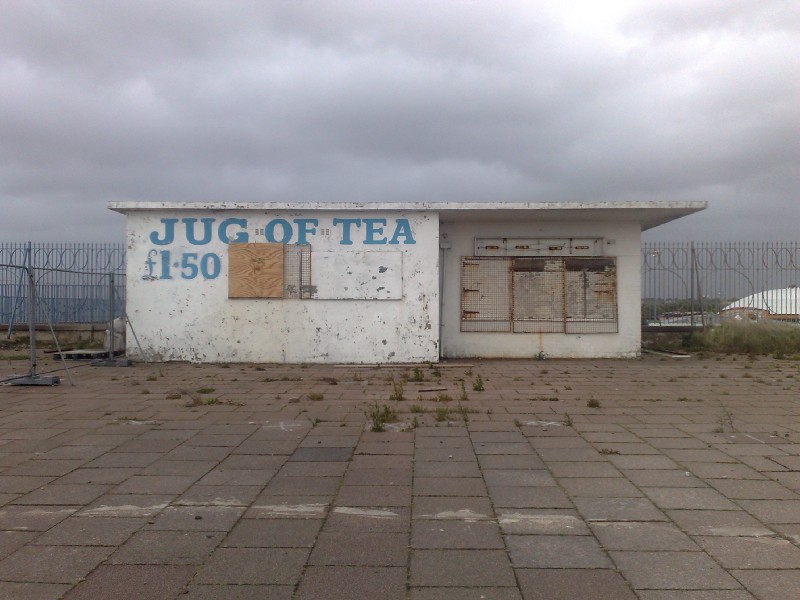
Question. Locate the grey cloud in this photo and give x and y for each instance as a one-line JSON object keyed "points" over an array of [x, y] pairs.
{"points": [[397, 101]]}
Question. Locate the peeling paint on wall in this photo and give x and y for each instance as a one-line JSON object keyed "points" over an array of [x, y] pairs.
{"points": [[368, 274]]}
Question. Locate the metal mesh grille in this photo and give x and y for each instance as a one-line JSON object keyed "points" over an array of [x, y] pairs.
{"points": [[297, 271], [485, 294], [591, 286], [539, 295]]}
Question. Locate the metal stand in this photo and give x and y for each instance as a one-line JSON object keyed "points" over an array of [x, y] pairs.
{"points": [[32, 378], [111, 361]]}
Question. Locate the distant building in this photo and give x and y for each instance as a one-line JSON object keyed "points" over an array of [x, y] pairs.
{"points": [[387, 283], [776, 305]]}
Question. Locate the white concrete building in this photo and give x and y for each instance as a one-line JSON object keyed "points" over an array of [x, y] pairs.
{"points": [[376, 283]]}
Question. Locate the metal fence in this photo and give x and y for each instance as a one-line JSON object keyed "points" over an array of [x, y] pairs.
{"points": [[692, 283], [72, 281], [682, 283]]}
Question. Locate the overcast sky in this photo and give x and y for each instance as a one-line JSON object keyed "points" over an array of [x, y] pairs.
{"points": [[399, 100]]}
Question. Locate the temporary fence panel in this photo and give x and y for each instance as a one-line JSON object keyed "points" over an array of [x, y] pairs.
{"points": [[72, 284]]}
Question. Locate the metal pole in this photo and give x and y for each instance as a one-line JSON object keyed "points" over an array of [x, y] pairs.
{"points": [[654, 254], [111, 316], [31, 318], [700, 293], [111, 361], [16, 304], [691, 285], [32, 378]]}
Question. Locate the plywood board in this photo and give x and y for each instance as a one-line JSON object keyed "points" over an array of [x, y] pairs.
{"points": [[370, 275], [255, 270]]}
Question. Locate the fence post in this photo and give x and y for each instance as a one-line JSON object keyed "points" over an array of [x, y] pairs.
{"points": [[31, 318], [111, 361], [692, 275], [111, 315]]}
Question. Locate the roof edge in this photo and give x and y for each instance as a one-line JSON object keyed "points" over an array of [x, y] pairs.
{"points": [[121, 206], [646, 213]]}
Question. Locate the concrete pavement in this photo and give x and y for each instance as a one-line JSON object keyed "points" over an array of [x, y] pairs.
{"points": [[657, 479]]}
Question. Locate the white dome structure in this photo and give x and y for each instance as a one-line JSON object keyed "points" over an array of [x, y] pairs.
{"points": [[782, 305]]}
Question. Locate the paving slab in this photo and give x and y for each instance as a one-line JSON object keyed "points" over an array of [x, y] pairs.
{"points": [[274, 533], [374, 495], [618, 509], [381, 476], [672, 571], [529, 497], [345, 548], [642, 536], [245, 566], [132, 582], [769, 584], [735, 552], [557, 552], [219, 495], [352, 583], [10, 541], [464, 593], [600, 487], [86, 531], [695, 595], [238, 592], [569, 584], [740, 489], [469, 568], [32, 591], [719, 523], [167, 548], [455, 534], [773, 511], [518, 477], [52, 564], [689, 499]]}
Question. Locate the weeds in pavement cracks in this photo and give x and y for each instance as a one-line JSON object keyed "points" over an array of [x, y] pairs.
{"points": [[378, 416]]}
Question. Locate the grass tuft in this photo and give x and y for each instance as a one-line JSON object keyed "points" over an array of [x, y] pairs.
{"points": [[378, 416]]}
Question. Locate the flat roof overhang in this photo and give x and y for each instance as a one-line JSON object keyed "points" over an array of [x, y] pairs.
{"points": [[647, 214]]}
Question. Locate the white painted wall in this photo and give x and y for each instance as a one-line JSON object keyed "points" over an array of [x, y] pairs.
{"points": [[622, 240], [193, 319]]}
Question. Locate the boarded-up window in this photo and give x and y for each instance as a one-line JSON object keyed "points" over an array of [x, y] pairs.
{"points": [[532, 295], [269, 271]]}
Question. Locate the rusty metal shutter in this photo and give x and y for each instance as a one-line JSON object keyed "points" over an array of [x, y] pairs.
{"points": [[485, 294], [538, 285], [539, 294], [591, 288]]}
